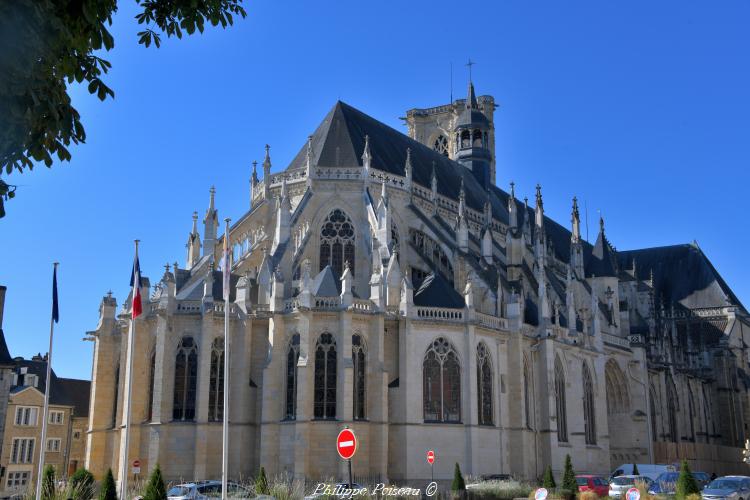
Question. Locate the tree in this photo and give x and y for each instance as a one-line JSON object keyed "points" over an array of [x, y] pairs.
{"points": [[569, 477], [108, 491], [548, 481], [155, 489], [261, 483], [48, 482], [686, 483], [635, 470], [82, 485], [459, 485], [49, 44]]}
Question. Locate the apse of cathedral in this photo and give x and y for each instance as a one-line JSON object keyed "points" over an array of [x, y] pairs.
{"points": [[382, 281]]}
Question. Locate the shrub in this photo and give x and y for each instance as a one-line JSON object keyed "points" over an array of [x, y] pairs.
{"points": [[548, 481], [686, 483], [82, 485], [155, 489], [459, 485], [588, 495], [569, 477], [48, 482], [108, 491], [261, 483], [635, 470]]}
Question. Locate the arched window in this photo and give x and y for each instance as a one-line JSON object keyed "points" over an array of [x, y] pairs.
{"points": [[216, 382], [337, 243], [359, 353], [292, 357], [618, 398], [528, 390], [562, 412], [116, 399], [325, 377], [185, 379], [151, 376], [691, 412], [484, 384], [477, 139], [441, 383], [441, 145], [652, 401], [589, 417], [465, 139]]}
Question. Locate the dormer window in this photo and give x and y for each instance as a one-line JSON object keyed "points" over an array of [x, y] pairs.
{"points": [[441, 145]]}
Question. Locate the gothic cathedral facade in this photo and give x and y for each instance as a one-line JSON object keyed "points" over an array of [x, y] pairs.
{"points": [[382, 281]]}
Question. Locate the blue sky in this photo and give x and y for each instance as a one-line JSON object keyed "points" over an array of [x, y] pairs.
{"points": [[639, 108]]}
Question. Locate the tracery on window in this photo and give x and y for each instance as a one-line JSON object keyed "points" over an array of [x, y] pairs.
{"points": [[441, 383], [359, 354], [216, 382], [484, 384], [325, 377], [337, 243], [589, 412], [441, 145], [292, 357], [185, 380], [562, 413]]}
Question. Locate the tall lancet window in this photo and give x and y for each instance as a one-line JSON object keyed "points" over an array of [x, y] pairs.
{"points": [[441, 383], [359, 354], [337, 243], [562, 413], [484, 384], [185, 380], [325, 377], [151, 375], [216, 382], [589, 417], [528, 391], [116, 399], [292, 357]]}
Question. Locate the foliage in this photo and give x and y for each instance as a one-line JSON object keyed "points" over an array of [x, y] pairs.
{"points": [[155, 489], [458, 480], [686, 483], [49, 44], [635, 470], [108, 490], [82, 485], [569, 476], [548, 481], [261, 483], [588, 495], [48, 482]]}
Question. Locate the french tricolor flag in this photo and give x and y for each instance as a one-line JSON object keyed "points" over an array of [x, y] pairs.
{"points": [[135, 282]]}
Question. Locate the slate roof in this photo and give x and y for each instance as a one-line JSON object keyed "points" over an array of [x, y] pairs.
{"points": [[435, 291], [325, 283], [65, 391], [679, 271]]}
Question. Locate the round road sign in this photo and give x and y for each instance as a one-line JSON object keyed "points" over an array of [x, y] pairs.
{"points": [[633, 494], [540, 494], [346, 444]]}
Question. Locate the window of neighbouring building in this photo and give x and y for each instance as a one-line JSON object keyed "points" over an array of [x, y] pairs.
{"points": [[18, 479], [26, 415], [53, 444], [56, 417], [22, 451]]}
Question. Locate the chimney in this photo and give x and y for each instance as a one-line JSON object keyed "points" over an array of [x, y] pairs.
{"points": [[2, 304]]}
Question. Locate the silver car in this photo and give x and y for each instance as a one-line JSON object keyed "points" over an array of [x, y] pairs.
{"points": [[203, 490], [621, 484], [727, 488]]}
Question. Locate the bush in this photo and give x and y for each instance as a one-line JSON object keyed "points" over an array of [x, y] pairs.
{"points": [[686, 483], [500, 490], [588, 495], [459, 485], [108, 491], [82, 485], [48, 482], [155, 489], [261, 483], [569, 477], [635, 470], [548, 481]]}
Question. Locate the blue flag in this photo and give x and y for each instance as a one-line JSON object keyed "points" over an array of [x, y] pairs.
{"points": [[55, 310]]}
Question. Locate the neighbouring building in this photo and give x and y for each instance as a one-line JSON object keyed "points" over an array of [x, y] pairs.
{"points": [[68, 414], [382, 281]]}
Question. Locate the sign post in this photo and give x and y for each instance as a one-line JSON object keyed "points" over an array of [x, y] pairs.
{"points": [[346, 446], [431, 461]]}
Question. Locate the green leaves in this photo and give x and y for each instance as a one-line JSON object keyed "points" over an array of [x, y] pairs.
{"points": [[53, 45]]}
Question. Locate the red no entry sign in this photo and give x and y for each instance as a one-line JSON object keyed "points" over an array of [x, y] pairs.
{"points": [[346, 444], [136, 463], [430, 457]]}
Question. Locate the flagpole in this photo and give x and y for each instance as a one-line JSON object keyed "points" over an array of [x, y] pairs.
{"points": [[123, 476], [47, 385], [226, 269]]}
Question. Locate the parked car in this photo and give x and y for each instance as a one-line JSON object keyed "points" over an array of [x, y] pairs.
{"points": [[597, 484], [621, 484], [202, 490], [727, 487], [650, 470], [666, 483]]}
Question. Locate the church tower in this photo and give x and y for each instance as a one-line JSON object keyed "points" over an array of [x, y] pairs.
{"points": [[471, 138]]}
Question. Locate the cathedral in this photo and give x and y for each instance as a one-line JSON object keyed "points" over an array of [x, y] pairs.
{"points": [[382, 281]]}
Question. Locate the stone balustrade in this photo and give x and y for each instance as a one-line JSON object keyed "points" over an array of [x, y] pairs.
{"points": [[489, 321], [440, 313], [615, 340]]}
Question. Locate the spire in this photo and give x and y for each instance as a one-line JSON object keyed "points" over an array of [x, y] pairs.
{"points": [[309, 161], [367, 158], [512, 209], [267, 172], [407, 165], [462, 200], [601, 224], [253, 182], [462, 231], [193, 245], [283, 217], [195, 224], [210, 223], [434, 185], [487, 211], [539, 211], [575, 236], [471, 98], [384, 193], [526, 225]]}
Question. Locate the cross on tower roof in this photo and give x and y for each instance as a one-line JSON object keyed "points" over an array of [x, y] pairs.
{"points": [[470, 64]]}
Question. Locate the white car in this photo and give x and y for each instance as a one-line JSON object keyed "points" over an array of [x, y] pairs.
{"points": [[203, 490]]}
